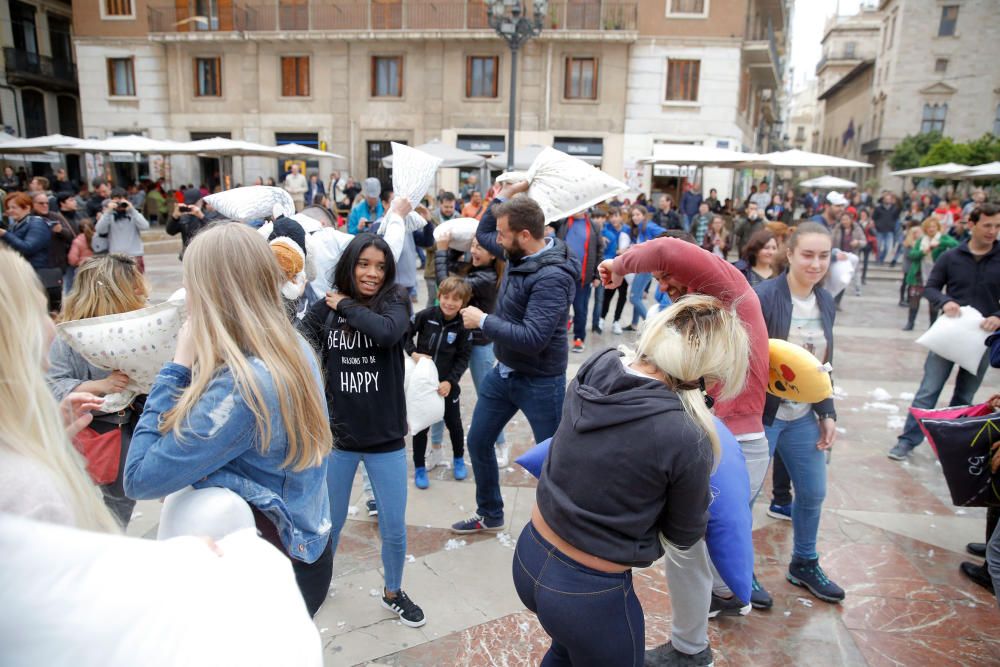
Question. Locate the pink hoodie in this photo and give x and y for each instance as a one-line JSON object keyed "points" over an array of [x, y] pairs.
{"points": [[704, 273]]}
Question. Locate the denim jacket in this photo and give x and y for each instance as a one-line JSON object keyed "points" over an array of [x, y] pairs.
{"points": [[220, 447]]}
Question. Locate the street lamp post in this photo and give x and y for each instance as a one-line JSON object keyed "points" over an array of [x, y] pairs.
{"points": [[508, 19]]}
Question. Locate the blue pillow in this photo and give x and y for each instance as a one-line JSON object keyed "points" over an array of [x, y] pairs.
{"points": [[533, 459], [730, 524]]}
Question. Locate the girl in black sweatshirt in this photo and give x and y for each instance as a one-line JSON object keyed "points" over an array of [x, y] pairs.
{"points": [[438, 333], [360, 330]]}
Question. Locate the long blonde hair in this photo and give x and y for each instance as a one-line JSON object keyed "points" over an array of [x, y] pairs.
{"points": [[105, 285], [235, 312], [30, 421], [697, 338]]}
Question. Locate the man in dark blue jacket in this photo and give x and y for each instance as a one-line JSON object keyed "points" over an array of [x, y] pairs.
{"points": [[528, 330], [968, 275]]}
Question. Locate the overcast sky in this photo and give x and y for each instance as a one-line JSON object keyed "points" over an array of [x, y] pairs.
{"points": [[807, 31]]}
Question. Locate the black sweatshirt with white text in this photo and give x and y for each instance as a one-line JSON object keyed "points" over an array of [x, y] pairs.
{"points": [[362, 353]]}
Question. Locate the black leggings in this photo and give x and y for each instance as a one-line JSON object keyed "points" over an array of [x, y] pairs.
{"points": [[314, 578], [781, 492], [453, 420], [622, 292]]}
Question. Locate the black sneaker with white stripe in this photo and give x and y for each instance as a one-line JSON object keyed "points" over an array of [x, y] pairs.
{"points": [[409, 613]]}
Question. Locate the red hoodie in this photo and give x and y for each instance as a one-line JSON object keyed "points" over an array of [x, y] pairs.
{"points": [[704, 273]]}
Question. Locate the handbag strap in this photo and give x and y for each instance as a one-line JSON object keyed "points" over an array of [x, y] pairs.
{"points": [[118, 418]]}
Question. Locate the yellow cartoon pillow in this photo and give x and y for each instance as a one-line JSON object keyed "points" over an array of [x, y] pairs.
{"points": [[796, 374]]}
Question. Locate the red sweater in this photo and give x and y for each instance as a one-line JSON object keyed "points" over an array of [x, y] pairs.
{"points": [[704, 273]]}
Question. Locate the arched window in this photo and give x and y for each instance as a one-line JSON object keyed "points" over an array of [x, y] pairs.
{"points": [[33, 104]]}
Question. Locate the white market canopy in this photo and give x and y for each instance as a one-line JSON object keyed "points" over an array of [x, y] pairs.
{"points": [[828, 183], [451, 157], [36, 144], [795, 158], [694, 154], [525, 155], [300, 151], [984, 171], [946, 170], [24, 157], [130, 143]]}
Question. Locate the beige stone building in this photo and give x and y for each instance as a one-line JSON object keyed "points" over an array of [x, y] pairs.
{"points": [[38, 86], [847, 116], [847, 42], [934, 71], [605, 80], [804, 118]]}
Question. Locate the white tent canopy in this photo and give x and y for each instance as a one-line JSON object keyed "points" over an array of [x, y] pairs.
{"points": [[37, 144], [946, 170], [300, 151], [131, 143], [694, 154], [525, 155], [451, 157], [984, 171], [795, 158], [828, 183], [24, 157]]}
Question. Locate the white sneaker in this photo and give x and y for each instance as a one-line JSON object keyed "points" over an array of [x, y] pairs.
{"points": [[503, 455], [435, 458], [600, 326], [617, 329]]}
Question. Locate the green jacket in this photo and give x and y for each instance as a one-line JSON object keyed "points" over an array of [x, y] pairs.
{"points": [[913, 276]]}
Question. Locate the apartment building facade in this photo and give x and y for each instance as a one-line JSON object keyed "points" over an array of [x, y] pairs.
{"points": [[933, 71], [39, 93], [605, 80]]}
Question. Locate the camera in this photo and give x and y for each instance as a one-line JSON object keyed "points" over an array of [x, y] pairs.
{"points": [[122, 206], [184, 208]]}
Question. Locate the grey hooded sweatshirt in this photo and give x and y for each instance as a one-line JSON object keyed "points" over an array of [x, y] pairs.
{"points": [[626, 464]]}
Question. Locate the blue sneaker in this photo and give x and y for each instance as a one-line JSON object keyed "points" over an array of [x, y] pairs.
{"points": [[759, 597], [808, 574], [477, 524], [783, 512], [900, 452], [460, 471], [420, 478]]}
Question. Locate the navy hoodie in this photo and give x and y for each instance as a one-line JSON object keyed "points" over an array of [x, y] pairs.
{"points": [[626, 464]]}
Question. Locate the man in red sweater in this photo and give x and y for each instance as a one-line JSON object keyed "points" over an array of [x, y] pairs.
{"points": [[696, 590]]}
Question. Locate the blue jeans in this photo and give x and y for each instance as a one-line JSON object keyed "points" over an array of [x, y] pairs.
{"points": [[539, 398], [481, 363], [387, 472], [885, 241], [580, 302], [639, 285], [594, 618], [795, 442], [598, 305], [936, 372]]}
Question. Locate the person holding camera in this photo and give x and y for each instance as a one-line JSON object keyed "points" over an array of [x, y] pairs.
{"points": [[186, 220], [121, 226]]}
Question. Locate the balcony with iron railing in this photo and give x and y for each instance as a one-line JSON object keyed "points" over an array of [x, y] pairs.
{"points": [[761, 55], [363, 16], [27, 68]]}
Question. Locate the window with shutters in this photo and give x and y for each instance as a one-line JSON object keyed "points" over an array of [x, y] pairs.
{"points": [[581, 79], [208, 77], [295, 76], [682, 80], [481, 76], [687, 8], [117, 9], [121, 77], [387, 76], [949, 19], [933, 118]]}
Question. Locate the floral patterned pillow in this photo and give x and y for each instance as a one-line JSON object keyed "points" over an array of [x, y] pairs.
{"points": [[137, 343]]}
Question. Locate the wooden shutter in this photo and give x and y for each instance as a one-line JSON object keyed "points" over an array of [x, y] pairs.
{"points": [[225, 8], [302, 83], [182, 13], [287, 77]]}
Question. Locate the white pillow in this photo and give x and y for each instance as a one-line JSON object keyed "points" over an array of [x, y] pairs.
{"points": [[563, 185], [88, 599], [462, 231], [413, 172], [324, 247], [252, 202], [840, 274], [210, 512], [958, 339], [424, 407], [136, 343]]}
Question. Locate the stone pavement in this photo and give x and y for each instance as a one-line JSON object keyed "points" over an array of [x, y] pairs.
{"points": [[889, 535]]}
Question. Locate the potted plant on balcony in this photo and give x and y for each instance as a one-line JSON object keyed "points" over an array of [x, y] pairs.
{"points": [[614, 19], [553, 17]]}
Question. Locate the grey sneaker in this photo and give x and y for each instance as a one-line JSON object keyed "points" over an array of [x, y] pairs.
{"points": [[900, 452], [667, 656]]}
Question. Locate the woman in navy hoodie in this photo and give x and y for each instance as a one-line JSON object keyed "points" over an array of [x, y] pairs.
{"points": [[798, 310], [638, 427]]}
